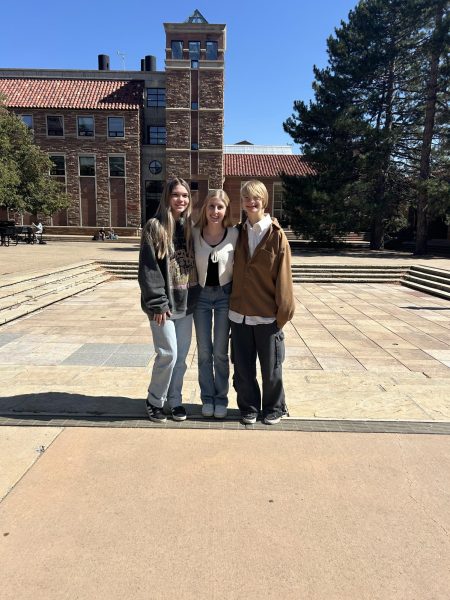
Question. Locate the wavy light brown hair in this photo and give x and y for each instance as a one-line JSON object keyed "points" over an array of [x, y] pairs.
{"points": [[160, 230]]}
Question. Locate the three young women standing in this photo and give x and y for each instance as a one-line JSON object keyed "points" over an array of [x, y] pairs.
{"points": [[214, 243], [169, 291]]}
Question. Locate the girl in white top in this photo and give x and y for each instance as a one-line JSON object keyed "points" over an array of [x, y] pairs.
{"points": [[214, 244]]}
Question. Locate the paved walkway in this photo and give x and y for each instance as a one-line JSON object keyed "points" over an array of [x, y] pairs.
{"points": [[124, 509], [361, 351]]}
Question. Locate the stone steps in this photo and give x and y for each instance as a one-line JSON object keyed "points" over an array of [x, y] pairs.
{"points": [[121, 269], [430, 280], [317, 273], [20, 297]]}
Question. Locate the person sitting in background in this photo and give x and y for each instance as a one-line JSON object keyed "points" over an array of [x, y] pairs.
{"points": [[112, 235], [39, 230], [100, 235]]}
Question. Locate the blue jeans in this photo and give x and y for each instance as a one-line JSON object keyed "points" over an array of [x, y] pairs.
{"points": [[212, 328], [171, 341]]}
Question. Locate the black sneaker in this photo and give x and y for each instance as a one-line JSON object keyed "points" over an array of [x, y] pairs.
{"points": [[179, 413], [155, 413], [249, 418], [272, 418]]}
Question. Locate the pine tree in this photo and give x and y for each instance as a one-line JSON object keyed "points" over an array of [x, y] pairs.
{"points": [[436, 94], [363, 128]]}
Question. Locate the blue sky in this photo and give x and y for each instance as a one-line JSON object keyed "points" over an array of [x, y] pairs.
{"points": [[271, 47]]}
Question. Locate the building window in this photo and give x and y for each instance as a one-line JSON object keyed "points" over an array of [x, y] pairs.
{"points": [[55, 126], [194, 105], [116, 127], [116, 166], [211, 51], [85, 126], [27, 120], [157, 135], [194, 146], [153, 193], [87, 166], [277, 209], [177, 49], [156, 97], [59, 165], [194, 50], [155, 167]]}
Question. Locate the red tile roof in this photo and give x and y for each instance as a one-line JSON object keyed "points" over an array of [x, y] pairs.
{"points": [[72, 93], [265, 165]]}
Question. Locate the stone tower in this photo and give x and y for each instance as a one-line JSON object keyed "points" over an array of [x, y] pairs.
{"points": [[195, 103]]}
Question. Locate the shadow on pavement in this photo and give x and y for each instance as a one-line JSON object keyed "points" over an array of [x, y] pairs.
{"points": [[80, 406]]}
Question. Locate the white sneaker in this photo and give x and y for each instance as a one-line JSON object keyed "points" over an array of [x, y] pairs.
{"points": [[220, 411], [208, 410]]}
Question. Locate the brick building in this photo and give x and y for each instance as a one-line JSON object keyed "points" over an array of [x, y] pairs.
{"points": [[116, 136], [244, 161]]}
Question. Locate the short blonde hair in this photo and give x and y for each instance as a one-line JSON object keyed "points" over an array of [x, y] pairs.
{"points": [[255, 188], [221, 195]]}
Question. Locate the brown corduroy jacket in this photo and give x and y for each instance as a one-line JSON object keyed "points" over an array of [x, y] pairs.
{"points": [[262, 284]]}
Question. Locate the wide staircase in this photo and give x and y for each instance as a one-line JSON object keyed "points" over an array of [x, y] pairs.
{"points": [[20, 296]]}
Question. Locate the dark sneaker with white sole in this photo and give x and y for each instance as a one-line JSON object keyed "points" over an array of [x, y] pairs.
{"points": [[272, 418], [249, 418], [179, 413], [155, 413]]}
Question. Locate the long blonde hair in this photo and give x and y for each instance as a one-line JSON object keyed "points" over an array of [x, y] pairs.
{"points": [[160, 230], [221, 195]]}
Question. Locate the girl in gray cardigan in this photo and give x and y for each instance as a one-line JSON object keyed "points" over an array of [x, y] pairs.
{"points": [[169, 290], [214, 243]]}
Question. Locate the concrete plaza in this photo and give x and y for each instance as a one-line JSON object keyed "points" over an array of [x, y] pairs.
{"points": [[99, 503]]}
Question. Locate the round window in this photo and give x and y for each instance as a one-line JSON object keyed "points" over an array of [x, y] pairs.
{"points": [[155, 167]]}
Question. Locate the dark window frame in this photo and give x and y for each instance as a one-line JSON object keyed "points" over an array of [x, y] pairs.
{"points": [[194, 54], [56, 170], [30, 127], [119, 133], [211, 44], [61, 117], [89, 167], [179, 55], [157, 137], [88, 134], [122, 171], [156, 97], [155, 167]]}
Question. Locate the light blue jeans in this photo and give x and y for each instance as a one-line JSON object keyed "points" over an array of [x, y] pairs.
{"points": [[171, 341], [212, 329]]}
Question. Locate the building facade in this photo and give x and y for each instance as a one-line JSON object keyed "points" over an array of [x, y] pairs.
{"points": [[115, 136]]}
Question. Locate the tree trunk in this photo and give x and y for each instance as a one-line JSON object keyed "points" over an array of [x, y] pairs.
{"points": [[377, 233], [437, 47]]}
